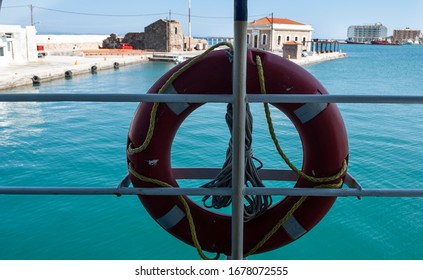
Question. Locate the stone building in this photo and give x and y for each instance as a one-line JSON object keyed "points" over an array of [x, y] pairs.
{"points": [[271, 33], [162, 36], [407, 35]]}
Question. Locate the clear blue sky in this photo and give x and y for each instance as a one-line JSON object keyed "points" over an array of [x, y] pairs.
{"points": [[329, 18]]}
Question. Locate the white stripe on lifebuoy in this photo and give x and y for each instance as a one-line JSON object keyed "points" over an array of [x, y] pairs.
{"points": [[309, 111], [171, 218], [177, 108], [294, 228]]}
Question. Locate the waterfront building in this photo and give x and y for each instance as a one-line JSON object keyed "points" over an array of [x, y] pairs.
{"points": [[17, 44], [407, 35], [367, 33], [162, 35], [271, 33]]}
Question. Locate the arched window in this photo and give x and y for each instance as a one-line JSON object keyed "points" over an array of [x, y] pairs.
{"points": [[248, 39], [288, 38], [279, 40], [255, 42], [264, 39], [176, 30], [304, 41], [296, 39]]}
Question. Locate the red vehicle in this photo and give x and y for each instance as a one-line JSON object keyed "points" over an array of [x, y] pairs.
{"points": [[125, 46]]}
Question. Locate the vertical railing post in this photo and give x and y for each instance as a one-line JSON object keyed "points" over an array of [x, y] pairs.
{"points": [[238, 130]]}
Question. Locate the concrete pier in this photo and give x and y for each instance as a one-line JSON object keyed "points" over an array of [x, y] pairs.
{"points": [[317, 58], [54, 67]]}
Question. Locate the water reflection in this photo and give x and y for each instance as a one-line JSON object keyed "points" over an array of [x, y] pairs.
{"points": [[19, 121]]}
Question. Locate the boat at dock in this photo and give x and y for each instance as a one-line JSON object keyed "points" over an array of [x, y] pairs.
{"points": [[356, 43], [167, 58], [385, 43]]}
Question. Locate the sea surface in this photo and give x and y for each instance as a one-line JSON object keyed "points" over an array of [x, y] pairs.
{"points": [[83, 144]]}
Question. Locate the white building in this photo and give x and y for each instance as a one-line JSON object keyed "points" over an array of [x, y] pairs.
{"points": [[367, 33], [271, 33], [17, 44]]}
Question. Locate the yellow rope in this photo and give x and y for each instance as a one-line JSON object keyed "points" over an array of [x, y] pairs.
{"points": [[165, 86], [186, 207], [149, 136], [337, 176], [150, 133], [276, 142]]}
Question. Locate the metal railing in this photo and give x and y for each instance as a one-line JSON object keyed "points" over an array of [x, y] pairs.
{"points": [[209, 173]]}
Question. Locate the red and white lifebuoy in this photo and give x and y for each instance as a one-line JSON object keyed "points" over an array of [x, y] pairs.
{"points": [[320, 126]]}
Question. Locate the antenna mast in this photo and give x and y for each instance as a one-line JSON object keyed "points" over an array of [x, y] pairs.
{"points": [[31, 8]]}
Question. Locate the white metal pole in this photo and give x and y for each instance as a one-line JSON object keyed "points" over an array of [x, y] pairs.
{"points": [[189, 25], [238, 130]]}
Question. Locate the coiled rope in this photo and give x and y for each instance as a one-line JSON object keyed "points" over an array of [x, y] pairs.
{"points": [[255, 204]]}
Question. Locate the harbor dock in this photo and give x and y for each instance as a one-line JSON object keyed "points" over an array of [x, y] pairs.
{"points": [[53, 67]]}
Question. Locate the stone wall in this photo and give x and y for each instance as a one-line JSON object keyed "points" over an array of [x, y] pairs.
{"points": [[111, 42], [135, 39], [70, 42], [292, 50]]}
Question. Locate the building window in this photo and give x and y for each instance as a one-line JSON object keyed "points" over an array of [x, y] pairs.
{"points": [[255, 42], [264, 39], [296, 39], [248, 39], [176, 30], [304, 41], [279, 40], [1, 51], [288, 38]]}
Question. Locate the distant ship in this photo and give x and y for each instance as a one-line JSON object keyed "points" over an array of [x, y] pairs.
{"points": [[355, 43], [384, 42]]}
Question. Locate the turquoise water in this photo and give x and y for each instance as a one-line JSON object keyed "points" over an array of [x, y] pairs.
{"points": [[83, 144]]}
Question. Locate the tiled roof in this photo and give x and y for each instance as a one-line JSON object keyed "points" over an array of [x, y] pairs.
{"points": [[268, 20]]}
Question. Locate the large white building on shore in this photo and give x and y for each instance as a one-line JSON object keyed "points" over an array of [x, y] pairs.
{"points": [[270, 33], [366, 33], [17, 44]]}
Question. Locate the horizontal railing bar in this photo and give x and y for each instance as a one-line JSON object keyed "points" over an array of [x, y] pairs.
{"points": [[338, 192], [211, 191], [213, 98], [82, 97], [211, 173], [326, 98]]}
